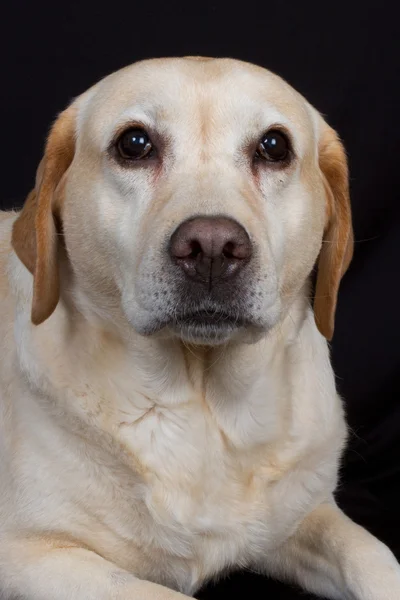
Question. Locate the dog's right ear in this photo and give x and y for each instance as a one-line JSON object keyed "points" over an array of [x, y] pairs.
{"points": [[338, 242], [35, 232]]}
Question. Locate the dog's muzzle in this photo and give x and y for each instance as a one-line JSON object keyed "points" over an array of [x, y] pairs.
{"points": [[210, 253]]}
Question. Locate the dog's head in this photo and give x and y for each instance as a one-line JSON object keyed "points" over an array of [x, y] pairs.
{"points": [[192, 197]]}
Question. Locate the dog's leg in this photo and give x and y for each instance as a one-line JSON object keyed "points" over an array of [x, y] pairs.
{"points": [[333, 557], [30, 570]]}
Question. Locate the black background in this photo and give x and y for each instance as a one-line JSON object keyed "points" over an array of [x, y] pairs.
{"points": [[344, 57]]}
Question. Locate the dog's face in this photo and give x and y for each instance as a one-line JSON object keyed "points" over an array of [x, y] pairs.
{"points": [[193, 197]]}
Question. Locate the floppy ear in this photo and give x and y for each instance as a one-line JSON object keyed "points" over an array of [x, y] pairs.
{"points": [[35, 235], [337, 246]]}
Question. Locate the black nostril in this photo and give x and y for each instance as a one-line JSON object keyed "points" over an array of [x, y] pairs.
{"points": [[196, 249], [228, 250]]}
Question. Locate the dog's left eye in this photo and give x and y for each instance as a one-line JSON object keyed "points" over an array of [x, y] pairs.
{"points": [[274, 147], [134, 144]]}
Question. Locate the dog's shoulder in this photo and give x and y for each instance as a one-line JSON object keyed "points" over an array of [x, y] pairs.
{"points": [[6, 223], [15, 285]]}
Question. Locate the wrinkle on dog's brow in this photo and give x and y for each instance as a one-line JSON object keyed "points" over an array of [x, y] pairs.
{"points": [[204, 122]]}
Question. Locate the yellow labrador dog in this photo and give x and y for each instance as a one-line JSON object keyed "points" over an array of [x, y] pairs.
{"points": [[168, 409]]}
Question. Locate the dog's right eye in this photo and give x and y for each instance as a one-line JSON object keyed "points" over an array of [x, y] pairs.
{"points": [[134, 144]]}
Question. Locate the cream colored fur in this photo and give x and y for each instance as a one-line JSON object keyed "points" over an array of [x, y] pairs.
{"points": [[136, 465]]}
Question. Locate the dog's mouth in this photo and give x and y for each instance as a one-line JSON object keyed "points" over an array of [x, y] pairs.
{"points": [[207, 326], [208, 318]]}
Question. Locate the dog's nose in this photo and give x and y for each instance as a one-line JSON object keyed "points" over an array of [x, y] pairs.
{"points": [[209, 249]]}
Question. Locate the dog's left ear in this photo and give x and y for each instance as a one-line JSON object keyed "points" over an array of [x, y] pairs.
{"points": [[35, 235], [337, 245]]}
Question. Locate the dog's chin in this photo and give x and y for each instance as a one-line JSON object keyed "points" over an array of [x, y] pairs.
{"points": [[203, 328], [206, 334], [199, 326]]}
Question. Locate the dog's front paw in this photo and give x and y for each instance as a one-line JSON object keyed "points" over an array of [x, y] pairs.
{"points": [[378, 579]]}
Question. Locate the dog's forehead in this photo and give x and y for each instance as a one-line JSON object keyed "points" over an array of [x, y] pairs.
{"points": [[185, 90]]}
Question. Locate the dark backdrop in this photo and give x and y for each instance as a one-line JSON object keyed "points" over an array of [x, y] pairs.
{"points": [[344, 57]]}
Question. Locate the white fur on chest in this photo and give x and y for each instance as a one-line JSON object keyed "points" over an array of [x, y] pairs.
{"points": [[214, 505]]}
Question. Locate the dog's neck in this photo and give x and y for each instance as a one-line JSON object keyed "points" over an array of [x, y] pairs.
{"points": [[245, 387], [72, 358]]}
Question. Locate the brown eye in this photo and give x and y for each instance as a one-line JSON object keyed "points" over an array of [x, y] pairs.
{"points": [[274, 146], [134, 144]]}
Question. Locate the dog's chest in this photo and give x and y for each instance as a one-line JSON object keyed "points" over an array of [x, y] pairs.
{"points": [[207, 504]]}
